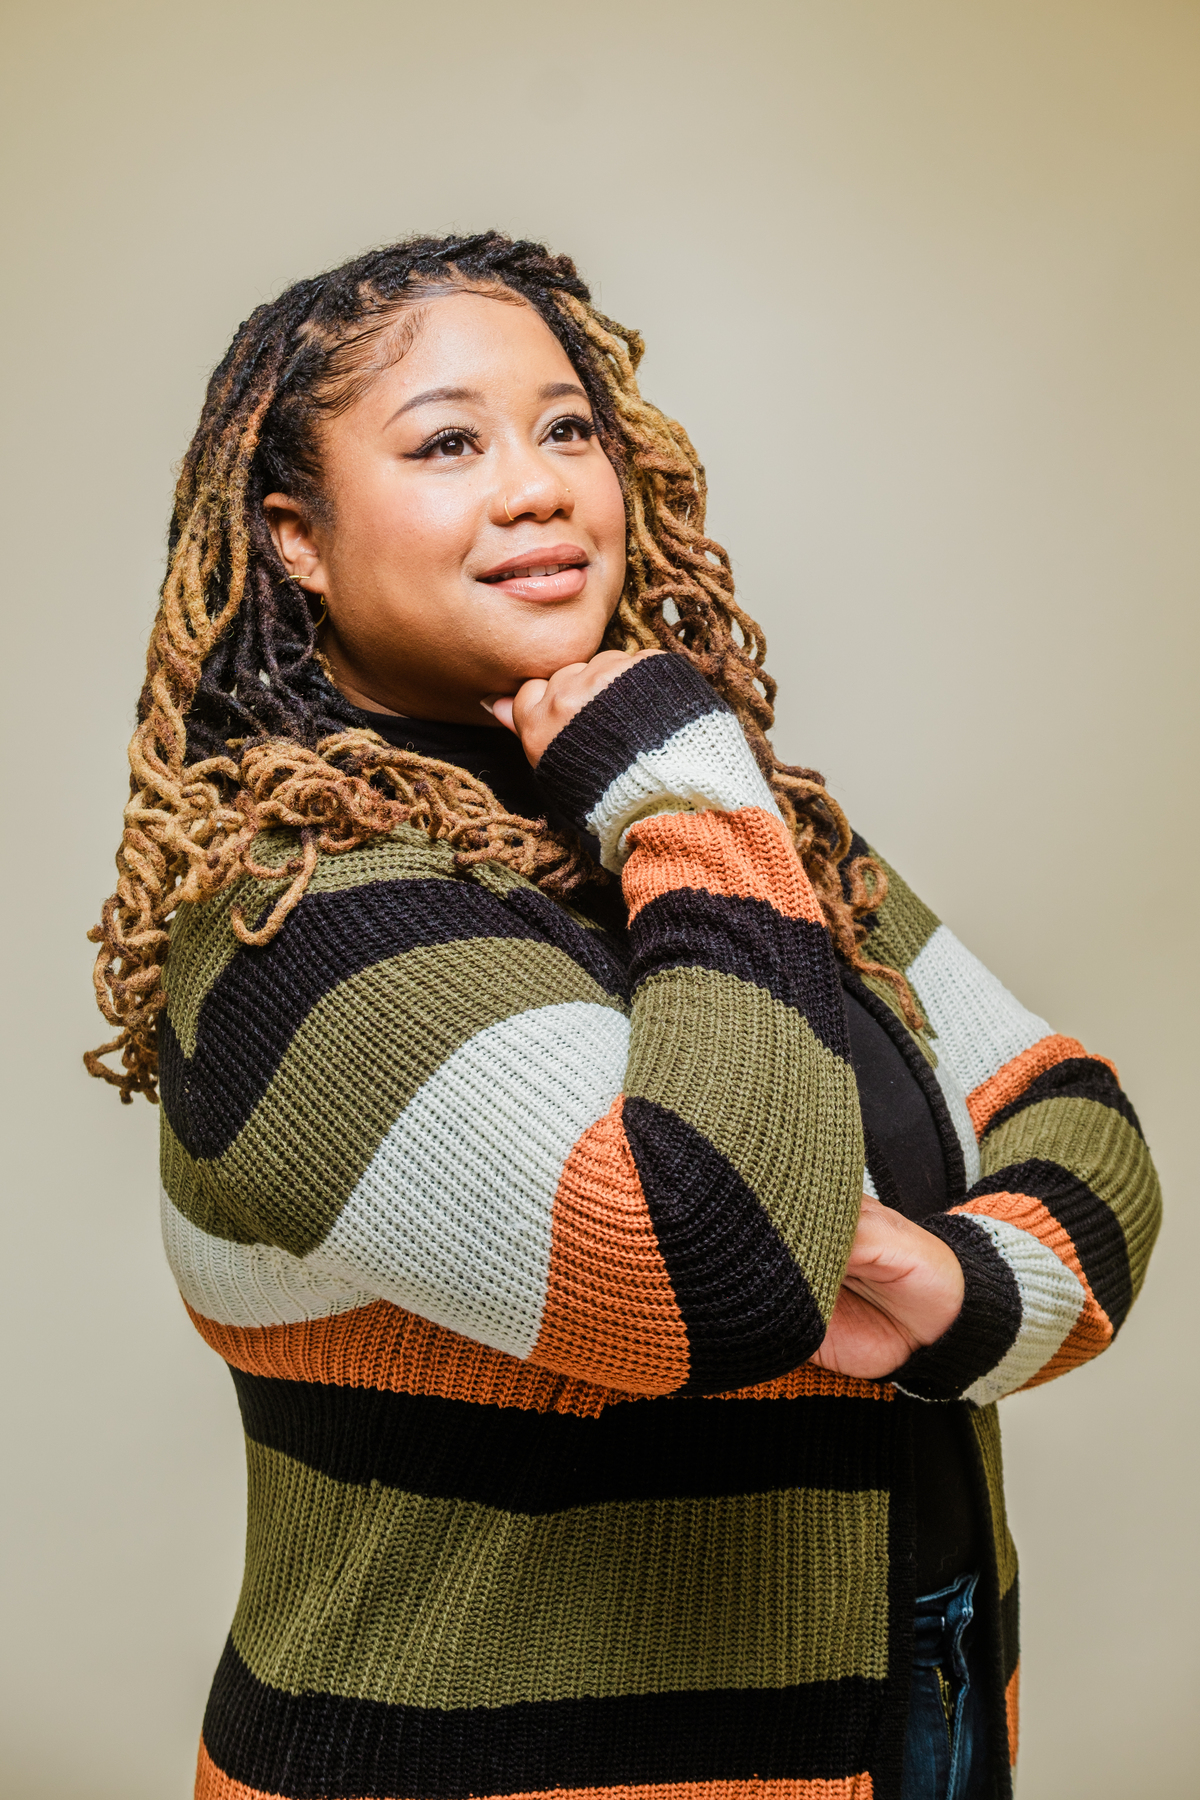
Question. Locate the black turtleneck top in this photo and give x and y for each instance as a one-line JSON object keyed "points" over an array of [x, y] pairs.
{"points": [[904, 1149]]}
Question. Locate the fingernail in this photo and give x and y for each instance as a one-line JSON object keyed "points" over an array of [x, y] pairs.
{"points": [[488, 707]]}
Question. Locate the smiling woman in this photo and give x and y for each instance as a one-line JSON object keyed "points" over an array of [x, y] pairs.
{"points": [[584, 1357], [473, 533]]}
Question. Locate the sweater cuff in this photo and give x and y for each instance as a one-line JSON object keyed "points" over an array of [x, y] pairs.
{"points": [[657, 739], [984, 1329]]}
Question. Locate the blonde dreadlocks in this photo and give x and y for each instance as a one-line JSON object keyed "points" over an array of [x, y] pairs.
{"points": [[240, 728]]}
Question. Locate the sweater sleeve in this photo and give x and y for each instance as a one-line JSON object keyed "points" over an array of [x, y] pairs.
{"points": [[429, 1090], [1062, 1205]]}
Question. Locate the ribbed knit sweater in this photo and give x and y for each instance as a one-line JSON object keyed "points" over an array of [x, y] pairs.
{"points": [[518, 1236]]}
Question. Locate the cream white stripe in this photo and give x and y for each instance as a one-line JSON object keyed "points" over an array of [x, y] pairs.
{"points": [[705, 764], [979, 1025], [249, 1284], [452, 1217], [1052, 1298]]}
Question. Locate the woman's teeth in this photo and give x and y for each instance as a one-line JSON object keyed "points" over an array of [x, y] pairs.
{"points": [[534, 573]]}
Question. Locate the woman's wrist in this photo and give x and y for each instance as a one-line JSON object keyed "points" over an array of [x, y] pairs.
{"points": [[945, 1367], [656, 739]]}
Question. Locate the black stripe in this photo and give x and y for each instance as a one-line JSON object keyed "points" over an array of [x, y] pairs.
{"points": [[528, 1462], [259, 1001], [602, 954], [923, 1075], [986, 1327], [749, 1312], [791, 958], [319, 1747], [1093, 1227], [636, 713], [1078, 1078]]}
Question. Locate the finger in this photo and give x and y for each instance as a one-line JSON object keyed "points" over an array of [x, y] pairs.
{"points": [[501, 707], [524, 705]]}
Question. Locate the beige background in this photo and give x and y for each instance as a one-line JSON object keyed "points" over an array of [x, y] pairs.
{"points": [[921, 278]]}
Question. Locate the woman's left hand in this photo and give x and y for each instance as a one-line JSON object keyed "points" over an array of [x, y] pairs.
{"points": [[538, 711], [903, 1287]]}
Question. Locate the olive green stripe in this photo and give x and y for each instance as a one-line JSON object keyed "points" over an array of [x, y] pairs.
{"points": [[202, 938], [202, 1192], [377, 1594], [1101, 1149], [350, 1070], [986, 1423], [749, 1073], [905, 924]]}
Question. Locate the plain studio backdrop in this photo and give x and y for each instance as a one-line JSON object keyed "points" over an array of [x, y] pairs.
{"points": [[920, 277]]}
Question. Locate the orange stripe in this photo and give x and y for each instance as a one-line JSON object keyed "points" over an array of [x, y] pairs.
{"points": [[610, 1305], [744, 855], [1012, 1709], [809, 1380], [1010, 1082], [383, 1346], [1092, 1330], [212, 1784]]}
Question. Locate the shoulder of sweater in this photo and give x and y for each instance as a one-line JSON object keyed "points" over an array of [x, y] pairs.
{"points": [[407, 854], [351, 885], [202, 938]]}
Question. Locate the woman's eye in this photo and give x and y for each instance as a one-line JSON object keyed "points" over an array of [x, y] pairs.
{"points": [[454, 443], [450, 442], [570, 431]]}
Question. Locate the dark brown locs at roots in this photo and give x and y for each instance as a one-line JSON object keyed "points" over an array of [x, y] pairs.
{"points": [[240, 728]]}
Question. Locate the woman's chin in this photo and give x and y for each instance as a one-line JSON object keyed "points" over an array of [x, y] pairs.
{"points": [[540, 659]]}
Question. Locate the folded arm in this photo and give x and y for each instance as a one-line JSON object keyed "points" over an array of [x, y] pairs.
{"points": [[460, 1115], [1056, 1227]]}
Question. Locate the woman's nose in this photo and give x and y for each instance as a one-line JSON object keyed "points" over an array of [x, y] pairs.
{"points": [[530, 493]]}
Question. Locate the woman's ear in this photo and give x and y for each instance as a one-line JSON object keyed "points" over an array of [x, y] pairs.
{"points": [[291, 528]]}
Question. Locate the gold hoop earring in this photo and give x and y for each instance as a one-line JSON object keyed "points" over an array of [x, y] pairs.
{"points": [[511, 520], [324, 613]]}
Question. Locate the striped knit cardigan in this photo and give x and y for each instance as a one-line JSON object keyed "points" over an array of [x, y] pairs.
{"points": [[517, 1239]]}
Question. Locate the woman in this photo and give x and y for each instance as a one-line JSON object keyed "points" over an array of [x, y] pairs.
{"points": [[522, 1026]]}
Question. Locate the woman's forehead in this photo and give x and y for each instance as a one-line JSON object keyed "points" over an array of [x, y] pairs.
{"points": [[466, 347]]}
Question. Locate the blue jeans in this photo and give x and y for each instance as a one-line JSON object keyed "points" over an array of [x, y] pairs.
{"points": [[945, 1751]]}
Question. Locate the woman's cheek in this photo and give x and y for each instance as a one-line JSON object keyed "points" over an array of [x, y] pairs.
{"points": [[611, 528]]}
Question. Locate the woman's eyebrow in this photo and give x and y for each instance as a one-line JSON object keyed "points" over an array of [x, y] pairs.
{"points": [[432, 394], [554, 390], [558, 390]]}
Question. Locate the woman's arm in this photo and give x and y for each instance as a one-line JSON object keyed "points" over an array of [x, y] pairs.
{"points": [[1063, 1203], [426, 1090]]}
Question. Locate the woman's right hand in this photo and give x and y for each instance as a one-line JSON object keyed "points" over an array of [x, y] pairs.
{"points": [[539, 710]]}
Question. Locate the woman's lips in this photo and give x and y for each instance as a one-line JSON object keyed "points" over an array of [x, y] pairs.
{"points": [[563, 585], [559, 572]]}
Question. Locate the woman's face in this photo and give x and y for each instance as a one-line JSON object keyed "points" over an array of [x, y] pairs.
{"points": [[462, 475]]}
